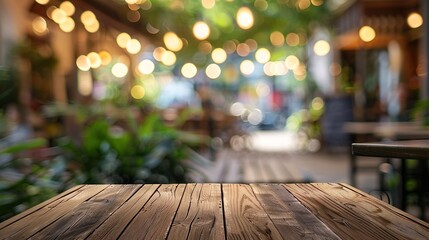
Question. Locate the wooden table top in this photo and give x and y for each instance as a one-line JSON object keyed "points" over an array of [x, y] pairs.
{"points": [[409, 149], [214, 211]]}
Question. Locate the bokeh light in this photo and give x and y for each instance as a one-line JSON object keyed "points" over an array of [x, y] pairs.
{"points": [[83, 63], [68, 25], [138, 92], [292, 39], [40, 26], [122, 39], [414, 20], [262, 55], [168, 58], [213, 71], [292, 62], [146, 66], [105, 57], [219, 55], [94, 60], [321, 48], [237, 109], [243, 49], [68, 8], [172, 42], [119, 70], [189, 70], [367, 33], [42, 2], [245, 18], [201, 30], [247, 67], [277, 38], [133, 46]]}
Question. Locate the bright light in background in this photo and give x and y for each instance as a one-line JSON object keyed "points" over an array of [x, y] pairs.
{"points": [[168, 58], [213, 71], [122, 39], [105, 57], [414, 20], [255, 117], [90, 21], [83, 63], [201, 30], [292, 39], [119, 70], [261, 4], [158, 53], [245, 18], [219, 55], [42, 2], [146, 66], [68, 25], [208, 4], [138, 92], [262, 55], [84, 83], [237, 109], [133, 46], [247, 67], [189, 70], [292, 62], [321, 48], [367, 33], [277, 68], [300, 72], [94, 60], [277, 39], [173, 42], [40, 26], [68, 8], [59, 16]]}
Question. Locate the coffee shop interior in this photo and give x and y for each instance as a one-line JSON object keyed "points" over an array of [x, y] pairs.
{"points": [[226, 91]]}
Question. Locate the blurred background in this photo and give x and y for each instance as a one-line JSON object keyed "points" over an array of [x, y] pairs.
{"points": [[151, 91]]}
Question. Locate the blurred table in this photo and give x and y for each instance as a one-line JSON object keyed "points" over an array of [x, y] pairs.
{"points": [[214, 211], [377, 131], [410, 149]]}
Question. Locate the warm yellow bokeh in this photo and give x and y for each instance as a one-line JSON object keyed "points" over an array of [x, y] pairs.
{"points": [[367, 33]]}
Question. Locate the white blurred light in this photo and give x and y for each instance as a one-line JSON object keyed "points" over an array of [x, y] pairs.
{"points": [[237, 109], [321, 48], [189, 70], [255, 117], [146, 66], [213, 71], [201, 30], [262, 55], [247, 67], [83, 63], [245, 18], [219, 55], [119, 70]]}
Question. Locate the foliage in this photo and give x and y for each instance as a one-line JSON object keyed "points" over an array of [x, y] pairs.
{"points": [[114, 147], [420, 111]]}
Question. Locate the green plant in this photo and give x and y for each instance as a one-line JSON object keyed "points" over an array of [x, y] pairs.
{"points": [[420, 111]]}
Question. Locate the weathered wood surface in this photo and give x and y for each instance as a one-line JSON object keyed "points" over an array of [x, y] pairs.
{"points": [[214, 211]]}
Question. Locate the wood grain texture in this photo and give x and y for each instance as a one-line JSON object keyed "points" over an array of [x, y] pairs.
{"points": [[154, 220], [31, 224], [88, 215], [352, 215], [292, 219], [200, 214], [116, 223], [244, 216], [37, 207]]}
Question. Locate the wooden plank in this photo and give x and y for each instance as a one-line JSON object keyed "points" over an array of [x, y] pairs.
{"points": [[200, 214], [352, 215], [86, 217], [116, 223], [291, 218], [31, 224], [244, 216], [154, 220], [37, 207]]}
